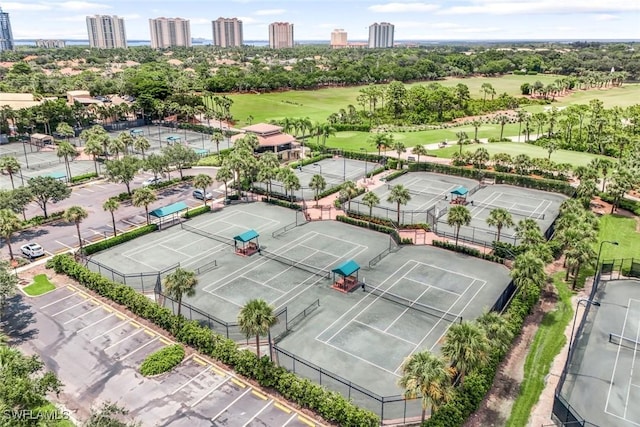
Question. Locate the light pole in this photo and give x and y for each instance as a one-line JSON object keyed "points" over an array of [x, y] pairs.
{"points": [[365, 162], [586, 302], [316, 165], [598, 258], [344, 168]]}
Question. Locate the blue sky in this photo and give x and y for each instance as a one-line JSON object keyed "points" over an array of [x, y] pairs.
{"points": [[315, 19]]}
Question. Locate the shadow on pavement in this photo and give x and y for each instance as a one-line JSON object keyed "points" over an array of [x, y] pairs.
{"points": [[17, 317]]}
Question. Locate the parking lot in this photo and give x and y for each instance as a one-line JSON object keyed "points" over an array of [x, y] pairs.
{"points": [[98, 351]]}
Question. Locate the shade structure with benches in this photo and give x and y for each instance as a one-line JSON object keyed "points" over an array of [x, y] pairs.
{"points": [[249, 247], [459, 196], [136, 132], [173, 139], [173, 211], [347, 273]]}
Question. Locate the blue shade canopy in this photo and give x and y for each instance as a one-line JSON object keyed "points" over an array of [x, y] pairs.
{"points": [[169, 209], [173, 138], [57, 175], [460, 191], [347, 268], [246, 236], [136, 132]]}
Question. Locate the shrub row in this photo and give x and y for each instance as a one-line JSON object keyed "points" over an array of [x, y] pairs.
{"points": [[396, 174], [333, 407], [39, 219], [120, 238], [162, 360], [626, 204], [357, 127], [371, 226], [283, 203], [359, 155], [310, 160], [507, 250], [84, 177], [501, 178], [375, 172], [468, 251], [197, 211], [372, 219]]}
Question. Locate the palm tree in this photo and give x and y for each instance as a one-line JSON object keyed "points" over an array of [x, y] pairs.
{"points": [[94, 147], [76, 214], [399, 148], [476, 125], [179, 283], [400, 196], [502, 120], [528, 271], [372, 200], [380, 140], [499, 218], [290, 181], [224, 174], [10, 165], [268, 169], [65, 130], [65, 149], [348, 191], [457, 217], [217, 137], [144, 197], [256, 318], [581, 254], [419, 150], [203, 181], [467, 347], [427, 376], [497, 328], [462, 138], [112, 205], [317, 184], [9, 224], [116, 146], [142, 144]]}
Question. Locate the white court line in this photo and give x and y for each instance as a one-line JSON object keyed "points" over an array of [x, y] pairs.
{"points": [[473, 278], [615, 365], [258, 413], [95, 323], [156, 339], [59, 300], [123, 339], [633, 363], [407, 309], [119, 325], [383, 332], [70, 308], [263, 284], [217, 386], [232, 403], [192, 379], [359, 358], [431, 286], [302, 260], [82, 315], [317, 250]]}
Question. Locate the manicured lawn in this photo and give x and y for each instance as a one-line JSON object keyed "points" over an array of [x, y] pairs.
{"points": [[514, 148], [546, 345], [622, 230], [40, 285]]}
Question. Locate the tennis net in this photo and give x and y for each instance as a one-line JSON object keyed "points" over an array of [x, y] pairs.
{"points": [[315, 171], [207, 234], [414, 305], [624, 342], [297, 264], [428, 194], [519, 212]]}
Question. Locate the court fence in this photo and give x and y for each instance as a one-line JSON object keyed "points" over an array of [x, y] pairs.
{"points": [[145, 282], [616, 269], [426, 216]]}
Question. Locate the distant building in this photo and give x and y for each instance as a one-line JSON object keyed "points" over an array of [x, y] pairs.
{"points": [[271, 138], [280, 35], [170, 32], [381, 35], [6, 36], [227, 32], [338, 38], [106, 32], [51, 44]]}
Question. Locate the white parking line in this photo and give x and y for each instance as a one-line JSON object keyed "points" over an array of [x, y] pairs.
{"points": [[232, 403], [293, 417], [259, 412], [120, 359], [62, 244], [209, 392], [110, 330], [94, 323], [82, 315], [58, 300], [69, 308], [192, 379], [124, 339]]}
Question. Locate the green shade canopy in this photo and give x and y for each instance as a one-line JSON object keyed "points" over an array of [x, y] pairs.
{"points": [[173, 139], [57, 175], [201, 152], [169, 209], [136, 132], [460, 191], [246, 236], [347, 268]]}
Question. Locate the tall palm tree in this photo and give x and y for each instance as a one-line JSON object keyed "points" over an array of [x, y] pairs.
{"points": [[116, 146], [94, 147], [400, 196], [66, 150], [457, 217], [76, 214], [499, 218], [497, 328], [466, 346], [462, 138], [579, 255], [112, 205], [180, 283], [528, 271], [10, 165], [203, 181], [380, 140], [144, 197], [399, 148], [317, 184], [476, 125], [268, 169], [348, 192], [9, 224], [427, 376], [502, 120], [256, 319], [217, 137], [65, 130], [289, 180], [142, 144], [419, 150], [372, 200], [224, 174], [126, 141]]}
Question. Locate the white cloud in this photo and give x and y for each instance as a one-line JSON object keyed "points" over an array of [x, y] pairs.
{"points": [[606, 17], [248, 20], [409, 24], [512, 7], [199, 21], [24, 7], [403, 7], [73, 18], [269, 12], [81, 5]]}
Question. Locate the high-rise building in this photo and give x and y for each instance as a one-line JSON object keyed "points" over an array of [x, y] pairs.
{"points": [[280, 35], [106, 32], [170, 32], [6, 36], [227, 32], [338, 38], [381, 35]]}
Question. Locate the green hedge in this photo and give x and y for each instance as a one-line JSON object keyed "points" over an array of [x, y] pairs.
{"points": [[120, 238], [283, 203], [396, 174], [331, 406], [375, 172], [39, 219], [626, 204], [309, 161], [162, 360], [197, 211], [371, 226], [467, 251], [501, 178], [84, 177]]}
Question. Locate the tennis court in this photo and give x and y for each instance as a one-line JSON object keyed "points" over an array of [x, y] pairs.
{"points": [[603, 381], [522, 203]]}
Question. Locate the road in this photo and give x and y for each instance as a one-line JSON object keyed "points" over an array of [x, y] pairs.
{"points": [[60, 235]]}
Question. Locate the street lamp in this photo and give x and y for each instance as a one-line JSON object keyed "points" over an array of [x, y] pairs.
{"points": [[586, 302], [600, 251], [317, 165], [365, 162]]}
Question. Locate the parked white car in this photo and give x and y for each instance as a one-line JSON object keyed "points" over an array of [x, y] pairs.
{"points": [[32, 250], [152, 181]]}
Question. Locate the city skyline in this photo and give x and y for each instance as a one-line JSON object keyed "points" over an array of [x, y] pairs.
{"points": [[315, 20]]}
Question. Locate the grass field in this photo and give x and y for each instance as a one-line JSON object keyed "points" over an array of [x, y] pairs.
{"points": [[622, 230], [40, 285]]}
